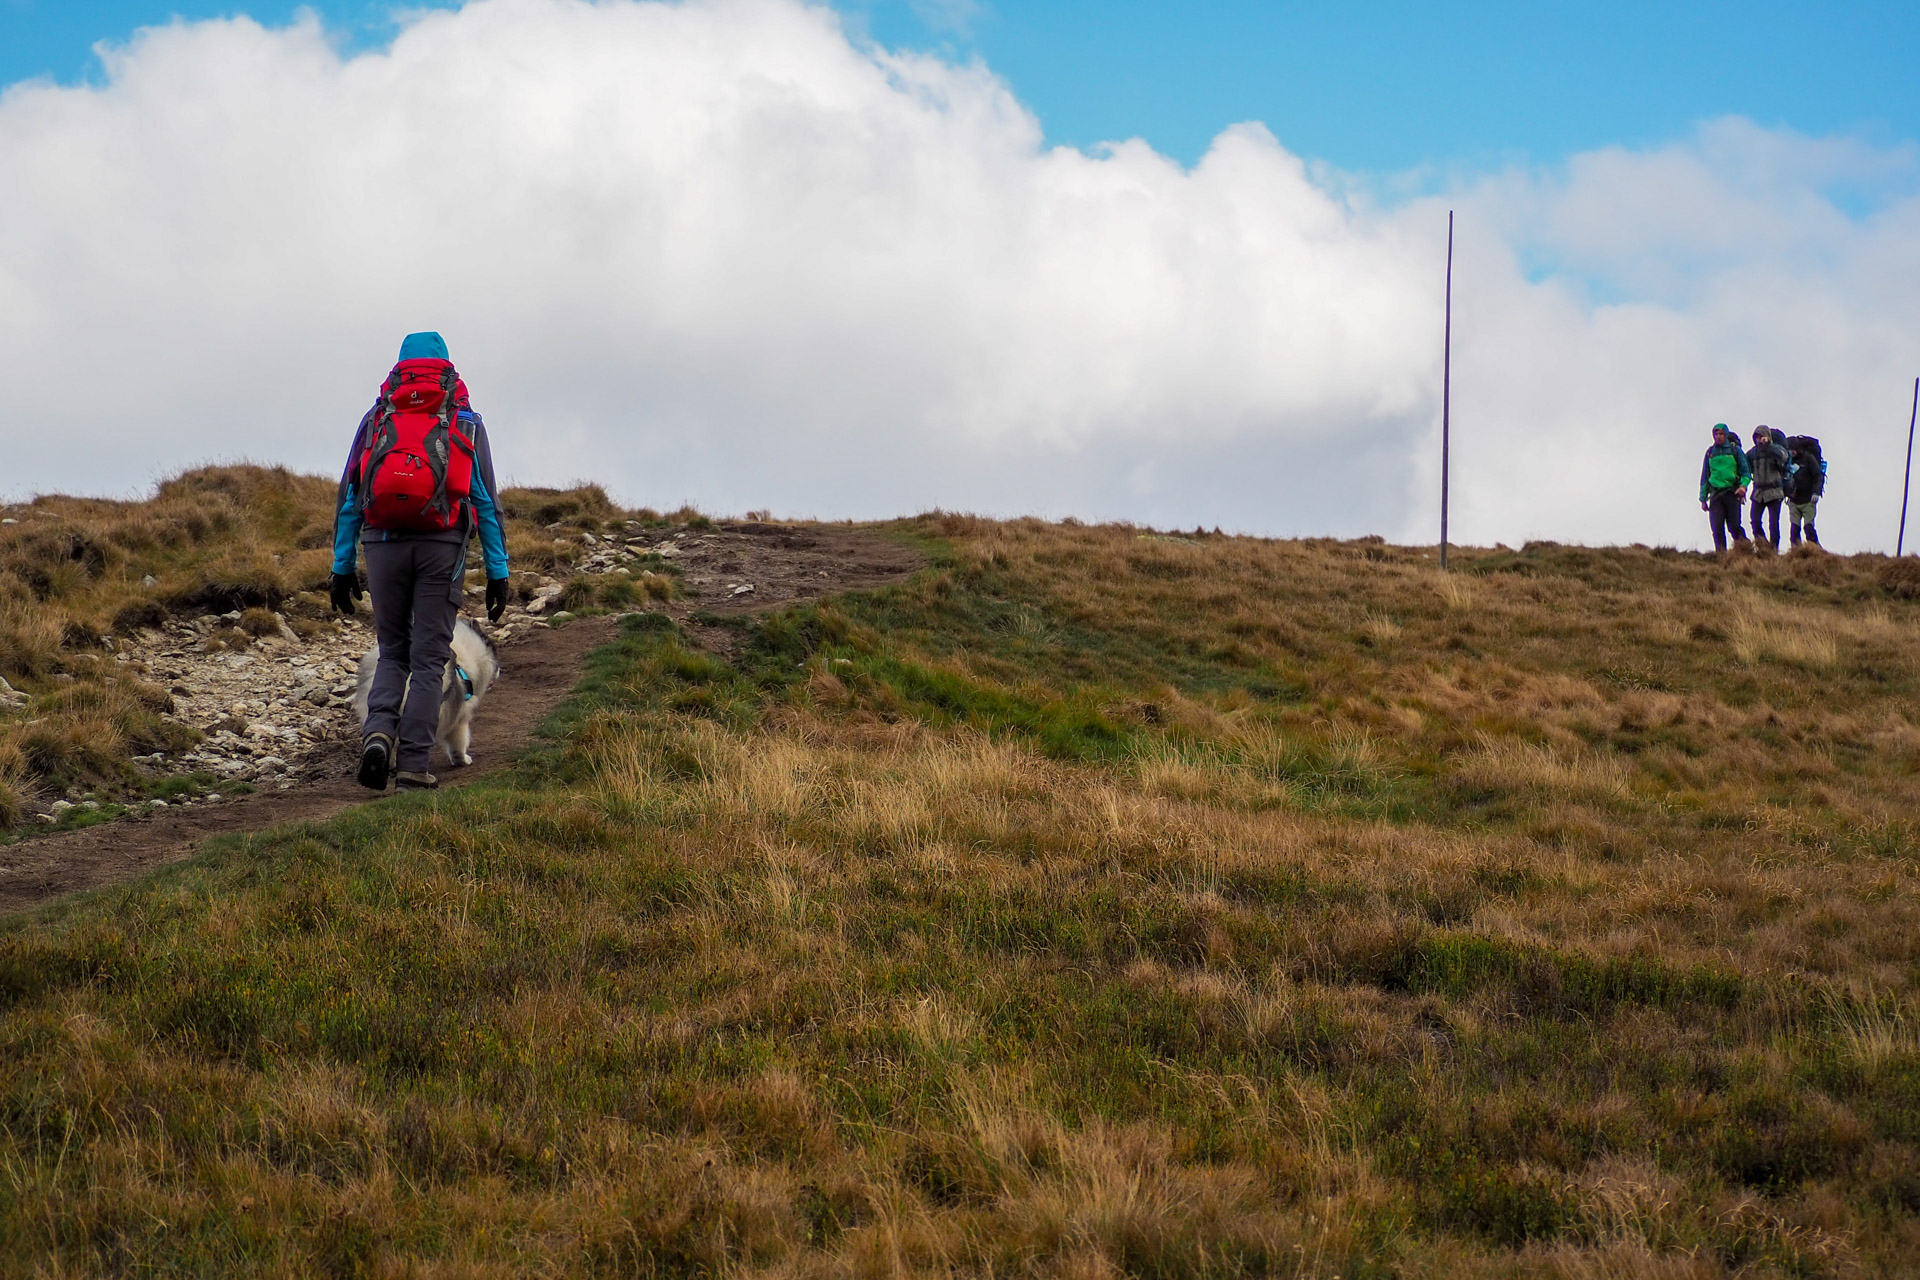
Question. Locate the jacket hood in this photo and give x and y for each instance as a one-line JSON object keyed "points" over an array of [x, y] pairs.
{"points": [[423, 346]]}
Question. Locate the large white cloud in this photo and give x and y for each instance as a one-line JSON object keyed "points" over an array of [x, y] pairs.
{"points": [[719, 251]]}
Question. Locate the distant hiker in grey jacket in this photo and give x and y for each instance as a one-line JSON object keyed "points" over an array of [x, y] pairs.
{"points": [[1770, 466]]}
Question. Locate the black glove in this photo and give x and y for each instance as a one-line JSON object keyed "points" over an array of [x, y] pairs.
{"points": [[496, 598], [346, 589]]}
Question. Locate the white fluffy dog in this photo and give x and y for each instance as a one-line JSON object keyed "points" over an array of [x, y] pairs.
{"points": [[469, 673]]}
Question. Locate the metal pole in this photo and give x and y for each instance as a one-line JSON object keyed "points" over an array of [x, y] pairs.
{"points": [[1900, 543], [1446, 396]]}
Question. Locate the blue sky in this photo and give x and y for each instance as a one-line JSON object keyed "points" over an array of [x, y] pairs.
{"points": [[1368, 86]]}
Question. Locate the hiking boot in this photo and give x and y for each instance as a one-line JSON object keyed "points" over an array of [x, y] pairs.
{"points": [[376, 761], [408, 780]]}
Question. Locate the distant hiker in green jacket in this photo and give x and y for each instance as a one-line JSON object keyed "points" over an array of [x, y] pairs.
{"points": [[1724, 474]]}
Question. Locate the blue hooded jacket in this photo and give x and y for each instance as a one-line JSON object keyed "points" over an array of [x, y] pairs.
{"points": [[348, 522]]}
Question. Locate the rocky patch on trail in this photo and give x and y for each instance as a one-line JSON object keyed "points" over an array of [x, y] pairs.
{"points": [[273, 703], [263, 704]]}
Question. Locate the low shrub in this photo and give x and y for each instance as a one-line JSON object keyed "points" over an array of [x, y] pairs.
{"points": [[74, 750], [136, 710], [29, 639], [239, 580], [259, 622], [13, 772], [620, 593], [138, 614], [585, 506], [54, 559], [1900, 578]]}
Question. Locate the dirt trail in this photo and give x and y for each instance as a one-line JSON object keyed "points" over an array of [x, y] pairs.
{"points": [[781, 565]]}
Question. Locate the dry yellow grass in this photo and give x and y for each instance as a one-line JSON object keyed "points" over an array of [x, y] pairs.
{"points": [[1507, 763], [1093, 905], [1768, 630]]}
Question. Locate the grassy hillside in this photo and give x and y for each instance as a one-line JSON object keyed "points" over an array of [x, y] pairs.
{"points": [[1097, 903], [80, 577]]}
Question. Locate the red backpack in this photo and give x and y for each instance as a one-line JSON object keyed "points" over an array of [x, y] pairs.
{"points": [[417, 471]]}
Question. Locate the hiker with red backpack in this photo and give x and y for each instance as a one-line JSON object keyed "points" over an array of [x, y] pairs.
{"points": [[418, 485]]}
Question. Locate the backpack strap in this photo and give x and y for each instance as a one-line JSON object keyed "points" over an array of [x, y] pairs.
{"points": [[440, 440], [381, 437]]}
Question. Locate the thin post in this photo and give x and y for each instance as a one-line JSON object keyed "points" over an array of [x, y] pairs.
{"points": [[1446, 396], [1906, 477]]}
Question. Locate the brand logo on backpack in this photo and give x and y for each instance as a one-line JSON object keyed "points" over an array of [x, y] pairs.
{"points": [[417, 472]]}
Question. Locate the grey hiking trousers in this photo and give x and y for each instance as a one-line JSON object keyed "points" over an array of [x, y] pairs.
{"points": [[416, 585]]}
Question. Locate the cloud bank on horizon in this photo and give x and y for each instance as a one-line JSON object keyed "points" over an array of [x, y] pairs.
{"points": [[720, 251]]}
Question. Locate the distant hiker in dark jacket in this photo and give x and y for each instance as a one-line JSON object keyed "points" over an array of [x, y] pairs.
{"points": [[1768, 462], [417, 486], [1804, 489], [1723, 486]]}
